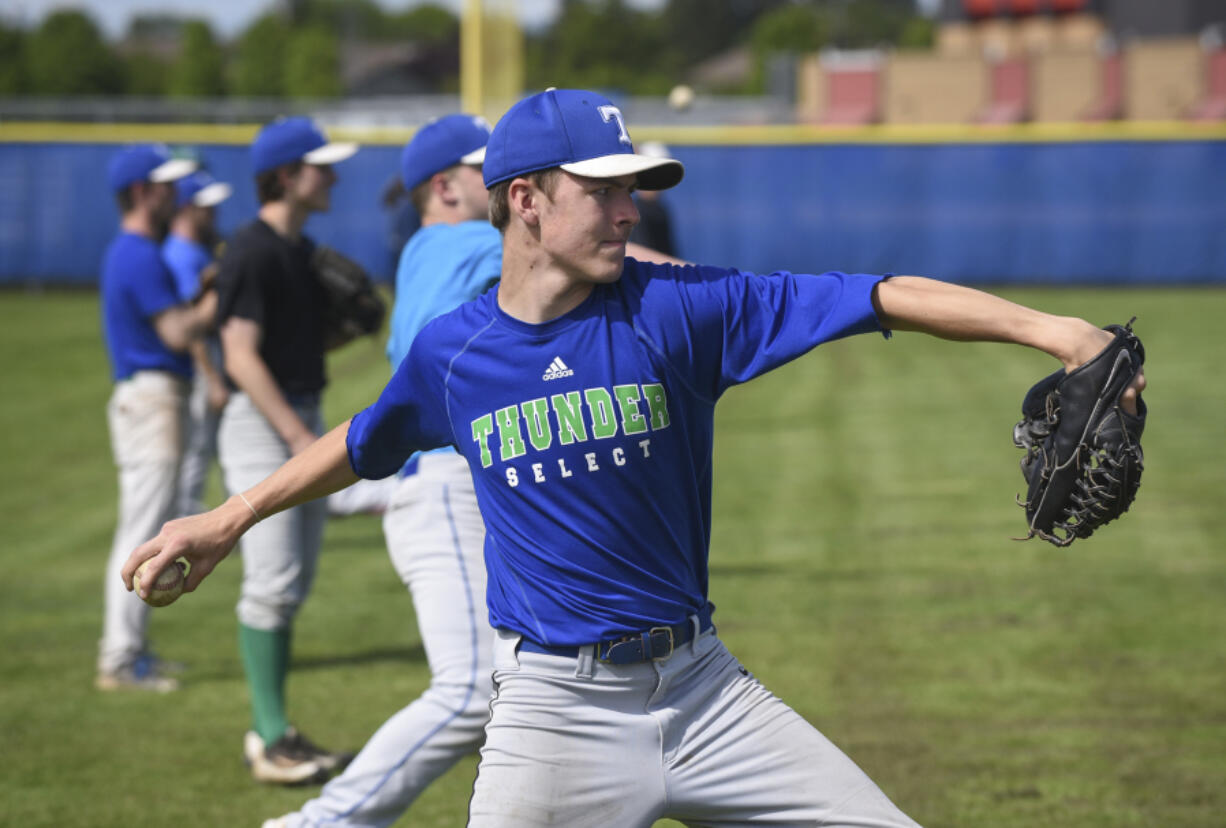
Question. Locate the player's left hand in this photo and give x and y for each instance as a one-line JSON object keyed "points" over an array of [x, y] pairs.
{"points": [[218, 394], [1088, 341]]}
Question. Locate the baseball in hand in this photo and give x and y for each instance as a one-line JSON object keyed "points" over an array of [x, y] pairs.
{"points": [[168, 586]]}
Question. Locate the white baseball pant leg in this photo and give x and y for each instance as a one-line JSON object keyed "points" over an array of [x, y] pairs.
{"points": [[145, 415], [435, 538], [280, 552], [199, 450], [695, 738]]}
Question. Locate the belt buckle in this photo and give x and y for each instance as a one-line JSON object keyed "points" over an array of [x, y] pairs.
{"points": [[651, 637]]}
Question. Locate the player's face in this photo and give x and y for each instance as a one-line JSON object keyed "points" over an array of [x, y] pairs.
{"points": [[311, 186], [468, 188], [585, 224], [203, 218], [160, 197]]}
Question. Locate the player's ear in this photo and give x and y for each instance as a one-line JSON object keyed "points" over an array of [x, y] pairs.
{"points": [[440, 187], [523, 199]]}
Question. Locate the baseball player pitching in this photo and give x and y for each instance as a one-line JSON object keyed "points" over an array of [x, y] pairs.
{"points": [[581, 392]]}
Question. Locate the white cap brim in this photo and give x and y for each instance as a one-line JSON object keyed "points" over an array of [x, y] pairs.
{"points": [[475, 158], [172, 170], [330, 154], [213, 194], [652, 173]]}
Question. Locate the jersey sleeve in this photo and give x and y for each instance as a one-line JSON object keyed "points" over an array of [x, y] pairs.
{"points": [[240, 287], [734, 325], [407, 417], [151, 284]]}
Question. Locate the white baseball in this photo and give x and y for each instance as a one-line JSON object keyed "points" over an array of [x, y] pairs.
{"points": [[167, 587], [681, 97]]}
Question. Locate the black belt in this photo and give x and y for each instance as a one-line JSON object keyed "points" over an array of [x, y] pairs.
{"points": [[654, 644]]}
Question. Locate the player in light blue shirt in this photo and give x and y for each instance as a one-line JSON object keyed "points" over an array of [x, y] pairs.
{"points": [[435, 535], [581, 392]]}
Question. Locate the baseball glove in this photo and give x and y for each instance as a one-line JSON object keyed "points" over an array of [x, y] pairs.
{"points": [[354, 308], [1083, 457]]}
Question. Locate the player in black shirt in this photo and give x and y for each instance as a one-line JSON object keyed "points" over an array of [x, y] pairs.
{"points": [[271, 319]]}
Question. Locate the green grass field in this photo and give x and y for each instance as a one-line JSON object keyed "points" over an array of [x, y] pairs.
{"points": [[861, 562]]}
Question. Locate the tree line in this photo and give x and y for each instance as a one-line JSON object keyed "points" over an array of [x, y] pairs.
{"points": [[295, 49]]}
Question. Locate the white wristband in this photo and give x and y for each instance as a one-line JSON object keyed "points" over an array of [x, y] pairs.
{"points": [[249, 506]]}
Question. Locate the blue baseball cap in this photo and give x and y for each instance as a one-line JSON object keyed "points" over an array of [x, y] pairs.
{"points": [[145, 162], [579, 131], [287, 140], [201, 189], [443, 143]]}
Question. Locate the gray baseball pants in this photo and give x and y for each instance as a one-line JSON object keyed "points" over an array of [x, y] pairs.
{"points": [[280, 552], [199, 450], [694, 737], [435, 537], [146, 415]]}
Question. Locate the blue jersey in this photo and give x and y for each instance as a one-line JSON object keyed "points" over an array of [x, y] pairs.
{"points": [[441, 267], [590, 436], [136, 287], [185, 258]]}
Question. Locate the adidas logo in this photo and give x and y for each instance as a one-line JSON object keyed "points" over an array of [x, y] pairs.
{"points": [[556, 370]]}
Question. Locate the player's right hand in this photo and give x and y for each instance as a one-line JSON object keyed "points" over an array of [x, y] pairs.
{"points": [[204, 540]]}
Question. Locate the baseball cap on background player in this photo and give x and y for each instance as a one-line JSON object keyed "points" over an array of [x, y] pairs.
{"points": [[287, 140], [146, 162], [202, 190], [577, 130], [443, 143]]}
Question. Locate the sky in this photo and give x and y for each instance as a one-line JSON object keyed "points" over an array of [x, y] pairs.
{"points": [[229, 17]]}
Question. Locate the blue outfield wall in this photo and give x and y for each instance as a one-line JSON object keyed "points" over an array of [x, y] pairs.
{"points": [[1084, 212]]}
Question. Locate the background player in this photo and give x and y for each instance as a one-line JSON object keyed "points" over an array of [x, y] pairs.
{"points": [[271, 319], [615, 700], [188, 252], [432, 525], [655, 225], [147, 325]]}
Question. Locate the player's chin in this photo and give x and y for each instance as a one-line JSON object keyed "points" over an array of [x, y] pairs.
{"points": [[608, 270]]}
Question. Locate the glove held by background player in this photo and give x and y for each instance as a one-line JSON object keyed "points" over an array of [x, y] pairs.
{"points": [[1083, 457], [354, 308]]}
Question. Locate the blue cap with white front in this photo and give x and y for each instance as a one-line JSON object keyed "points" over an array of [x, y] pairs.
{"points": [[287, 140], [202, 190], [443, 143], [145, 162], [579, 131]]}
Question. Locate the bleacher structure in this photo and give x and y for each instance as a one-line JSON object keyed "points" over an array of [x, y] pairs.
{"points": [[1046, 68]]}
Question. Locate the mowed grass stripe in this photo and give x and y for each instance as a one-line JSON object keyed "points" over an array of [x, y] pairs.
{"points": [[861, 562]]}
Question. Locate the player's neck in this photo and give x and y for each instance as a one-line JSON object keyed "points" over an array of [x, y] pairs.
{"points": [[184, 228], [285, 217], [533, 288], [439, 212], [139, 222]]}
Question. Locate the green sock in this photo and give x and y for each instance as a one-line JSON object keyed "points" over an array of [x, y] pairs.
{"points": [[265, 656]]}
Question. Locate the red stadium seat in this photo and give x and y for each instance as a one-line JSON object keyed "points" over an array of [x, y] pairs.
{"points": [[1110, 105], [983, 8], [854, 96], [1213, 106], [1068, 6], [1010, 93]]}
